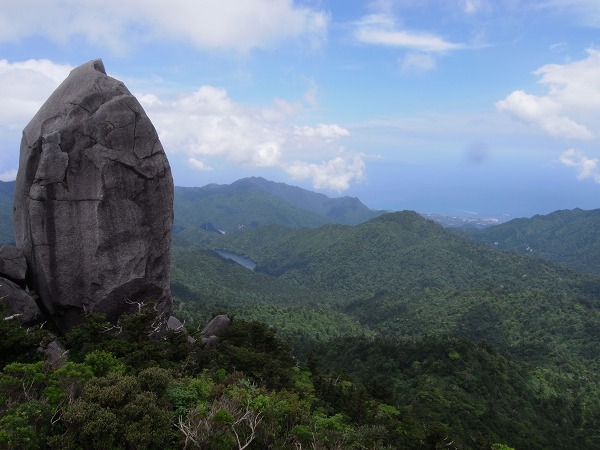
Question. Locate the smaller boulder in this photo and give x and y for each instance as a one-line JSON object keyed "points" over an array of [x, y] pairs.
{"points": [[210, 333], [56, 354], [210, 342], [12, 264], [21, 305], [174, 324], [216, 326]]}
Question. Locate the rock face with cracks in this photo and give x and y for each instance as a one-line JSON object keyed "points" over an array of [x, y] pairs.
{"points": [[94, 202]]}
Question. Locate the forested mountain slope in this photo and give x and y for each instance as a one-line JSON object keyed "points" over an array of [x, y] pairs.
{"points": [[570, 237], [251, 202], [469, 344], [345, 210], [204, 284], [404, 335], [402, 275]]}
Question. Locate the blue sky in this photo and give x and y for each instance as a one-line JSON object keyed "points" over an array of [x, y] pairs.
{"points": [[467, 107]]}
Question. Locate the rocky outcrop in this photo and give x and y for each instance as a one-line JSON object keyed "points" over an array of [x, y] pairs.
{"points": [[56, 354], [210, 333], [174, 324], [93, 206], [21, 305], [12, 264]]}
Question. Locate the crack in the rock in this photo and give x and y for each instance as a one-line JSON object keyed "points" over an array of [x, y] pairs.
{"points": [[64, 200], [135, 121], [133, 168], [152, 152], [80, 106]]}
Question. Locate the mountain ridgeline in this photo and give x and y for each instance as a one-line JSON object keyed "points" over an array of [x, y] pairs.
{"points": [[251, 202], [570, 237], [246, 203]]}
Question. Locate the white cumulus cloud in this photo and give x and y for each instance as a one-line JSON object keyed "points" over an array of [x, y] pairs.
{"points": [[324, 131], [224, 24], [198, 165], [586, 167], [571, 105], [24, 86], [381, 29], [335, 174], [208, 126], [545, 112], [205, 126]]}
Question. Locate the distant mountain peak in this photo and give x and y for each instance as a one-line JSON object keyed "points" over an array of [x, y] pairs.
{"points": [[254, 201]]}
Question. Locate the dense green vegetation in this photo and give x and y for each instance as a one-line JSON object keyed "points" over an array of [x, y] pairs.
{"points": [[205, 284], [401, 275], [570, 237], [470, 393], [469, 345], [252, 202], [395, 333], [125, 388]]}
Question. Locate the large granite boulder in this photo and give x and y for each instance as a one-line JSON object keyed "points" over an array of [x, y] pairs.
{"points": [[93, 206]]}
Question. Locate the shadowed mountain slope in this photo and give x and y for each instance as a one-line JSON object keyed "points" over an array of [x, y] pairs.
{"points": [[570, 237]]}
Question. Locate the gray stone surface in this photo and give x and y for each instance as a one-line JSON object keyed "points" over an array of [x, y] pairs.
{"points": [[56, 354], [94, 201], [174, 324], [216, 326], [12, 263], [211, 342], [20, 304]]}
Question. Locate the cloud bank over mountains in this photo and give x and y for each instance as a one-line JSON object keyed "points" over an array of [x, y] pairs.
{"points": [[207, 125]]}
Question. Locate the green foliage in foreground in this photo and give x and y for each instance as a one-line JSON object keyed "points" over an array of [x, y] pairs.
{"points": [[471, 347], [248, 392], [470, 392]]}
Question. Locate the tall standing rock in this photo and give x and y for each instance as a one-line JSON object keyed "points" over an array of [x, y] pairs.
{"points": [[93, 206]]}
